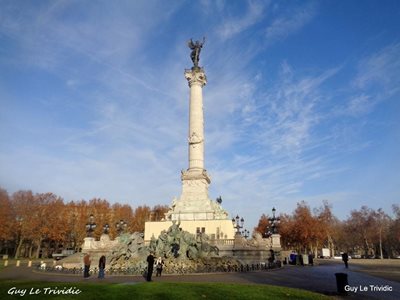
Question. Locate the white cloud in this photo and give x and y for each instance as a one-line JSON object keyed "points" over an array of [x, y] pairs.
{"points": [[236, 25], [360, 105], [382, 68], [289, 23], [288, 112]]}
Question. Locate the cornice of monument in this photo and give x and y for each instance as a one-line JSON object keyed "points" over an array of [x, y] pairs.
{"points": [[195, 76], [195, 175]]}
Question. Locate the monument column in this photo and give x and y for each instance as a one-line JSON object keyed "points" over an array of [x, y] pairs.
{"points": [[194, 210], [194, 203], [196, 79]]}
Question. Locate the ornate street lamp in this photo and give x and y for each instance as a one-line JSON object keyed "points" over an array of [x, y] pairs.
{"points": [[237, 225], [273, 222], [272, 229], [90, 226], [121, 226], [246, 233]]}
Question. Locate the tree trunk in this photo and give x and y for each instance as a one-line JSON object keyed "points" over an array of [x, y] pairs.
{"points": [[46, 251], [38, 248], [331, 246], [366, 247], [30, 250], [380, 243], [17, 251]]}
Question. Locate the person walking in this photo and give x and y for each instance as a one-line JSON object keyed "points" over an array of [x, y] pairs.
{"points": [[86, 262], [102, 266], [159, 266], [345, 259], [150, 265], [310, 259]]}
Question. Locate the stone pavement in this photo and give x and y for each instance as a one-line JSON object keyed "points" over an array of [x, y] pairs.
{"points": [[319, 279]]}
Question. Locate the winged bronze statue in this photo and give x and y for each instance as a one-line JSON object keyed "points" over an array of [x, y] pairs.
{"points": [[196, 48]]}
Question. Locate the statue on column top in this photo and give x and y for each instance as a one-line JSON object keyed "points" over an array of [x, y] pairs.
{"points": [[196, 48]]}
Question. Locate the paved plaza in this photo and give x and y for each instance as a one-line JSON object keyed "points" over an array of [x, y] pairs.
{"points": [[319, 278]]}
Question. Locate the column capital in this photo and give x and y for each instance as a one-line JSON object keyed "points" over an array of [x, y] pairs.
{"points": [[196, 76]]}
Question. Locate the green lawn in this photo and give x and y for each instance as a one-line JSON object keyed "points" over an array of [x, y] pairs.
{"points": [[153, 290]]}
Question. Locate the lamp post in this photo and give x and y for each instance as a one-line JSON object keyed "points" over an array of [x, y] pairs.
{"points": [[272, 227], [90, 226], [273, 222], [121, 226], [246, 233], [237, 225]]}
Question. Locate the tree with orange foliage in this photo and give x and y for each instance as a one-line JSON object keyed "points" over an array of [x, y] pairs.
{"points": [[286, 229], [78, 213], [304, 227], [158, 212], [23, 206], [7, 219], [121, 213], [102, 213], [327, 226], [301, 230], [262, 226], [47, 221], [140, 216], [394, 233]]}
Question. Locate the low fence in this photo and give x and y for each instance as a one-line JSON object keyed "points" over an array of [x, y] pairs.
{"points": [[135, 271]]}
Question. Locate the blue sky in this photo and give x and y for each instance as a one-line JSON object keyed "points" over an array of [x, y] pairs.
{"points": [[302, 101]]}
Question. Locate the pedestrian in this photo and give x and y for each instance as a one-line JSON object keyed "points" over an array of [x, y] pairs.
{"points": [[150, 265], [86, 262], [159, 266], [301, 262], [345, 259], [310, 259], [102, 266]]}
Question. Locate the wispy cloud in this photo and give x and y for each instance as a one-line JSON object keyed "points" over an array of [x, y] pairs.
{"points": [[290, 22], [237, 24], [381, 68], [359, 105], [289, 111]]}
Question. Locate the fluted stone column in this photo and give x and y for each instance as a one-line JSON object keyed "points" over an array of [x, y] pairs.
{"points": [[196, 79]]}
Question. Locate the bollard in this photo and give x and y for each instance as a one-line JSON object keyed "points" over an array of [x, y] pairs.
{"points": [[341, 282], [18, 263], [6, 263], [29, 264]]}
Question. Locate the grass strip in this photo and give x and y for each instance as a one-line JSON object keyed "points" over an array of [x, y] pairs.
{"points": [[149, 290]]}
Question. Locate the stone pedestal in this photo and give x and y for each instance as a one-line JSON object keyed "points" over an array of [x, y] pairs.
{"points": [[215, 229], [276, 241], [88, 244]]}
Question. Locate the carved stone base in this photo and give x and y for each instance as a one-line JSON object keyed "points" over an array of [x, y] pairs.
{"points": [[194, 203]]}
